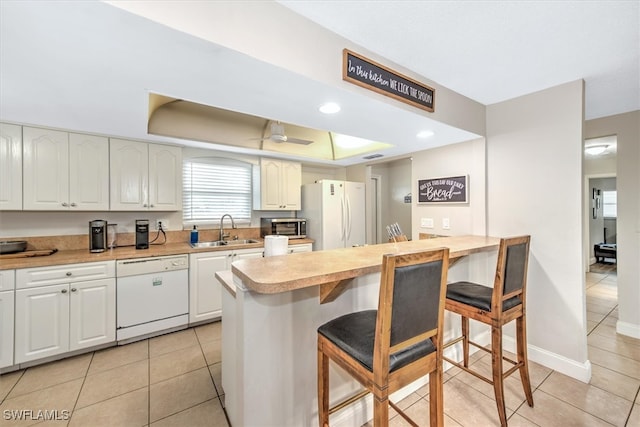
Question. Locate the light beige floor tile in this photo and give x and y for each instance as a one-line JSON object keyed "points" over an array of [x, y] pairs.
{"points": [[43, 376], [634, 418], [613, 382], [7, 381], [176, 363], [216, 374], [172, 342], [114, 382], [551, 411], [120, 355], [206, 414], [180, 393], [212, 351], [598, 402], [469, 407], [516, 420], [615, 362], [129, 409], [621, 347], [60, 398], [209, 332]]}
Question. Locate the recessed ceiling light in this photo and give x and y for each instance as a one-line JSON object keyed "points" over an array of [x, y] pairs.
{"points": [[595, 150], [329, 108], [425, 134]]}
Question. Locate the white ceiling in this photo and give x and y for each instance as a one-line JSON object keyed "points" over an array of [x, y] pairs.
{"points": [[491, 51], [89, 66]]}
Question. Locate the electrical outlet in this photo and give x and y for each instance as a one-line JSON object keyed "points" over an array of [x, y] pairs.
{"points": [[445, 224], [426, 222], [165, 224]]}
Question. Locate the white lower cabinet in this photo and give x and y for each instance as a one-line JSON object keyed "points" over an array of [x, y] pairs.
{"points": [[62, 317], [305, 247], [7, 284], [205, 291]]}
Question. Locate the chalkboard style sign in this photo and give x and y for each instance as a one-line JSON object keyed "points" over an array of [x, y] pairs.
{"points": [[371, 75], [453, 189]]}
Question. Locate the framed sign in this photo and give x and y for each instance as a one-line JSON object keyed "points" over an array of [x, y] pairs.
{"points": [[366, 73], [454, 189]]}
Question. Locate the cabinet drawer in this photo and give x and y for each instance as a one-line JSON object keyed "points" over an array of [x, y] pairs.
{"points": [[7, 280], [43, 276]]}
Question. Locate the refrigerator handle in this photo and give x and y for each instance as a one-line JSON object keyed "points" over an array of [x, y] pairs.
{"points": [[343, 231], [348, 220]]}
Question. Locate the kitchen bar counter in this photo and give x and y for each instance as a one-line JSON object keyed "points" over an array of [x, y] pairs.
{"points": [[124, 252], [272, 312]]}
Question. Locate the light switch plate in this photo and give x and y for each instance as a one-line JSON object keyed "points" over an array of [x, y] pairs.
{"points": [[445, 224], [426, 222]]}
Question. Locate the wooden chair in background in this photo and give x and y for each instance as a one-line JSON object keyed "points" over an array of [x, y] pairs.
{"points": [[389, 348], [497, 306]]}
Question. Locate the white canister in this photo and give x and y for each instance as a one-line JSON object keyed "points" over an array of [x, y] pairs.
{"points": [[275, 245]]}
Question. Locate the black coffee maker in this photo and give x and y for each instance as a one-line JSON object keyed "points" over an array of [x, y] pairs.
{"points": [[97, 235], [142, 234]]}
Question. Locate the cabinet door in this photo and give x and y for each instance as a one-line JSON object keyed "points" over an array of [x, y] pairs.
{"points": [[92, 313], [247, 254], [10, 167], [291, 185], [165, 177], [129, 166], [45, 169], [88, 172], [41, 322], [6, 329], [205, 291], [270, 188], [295, 249]]}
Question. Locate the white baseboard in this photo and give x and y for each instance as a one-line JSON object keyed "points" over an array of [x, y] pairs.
{"points": [[628, 329]]}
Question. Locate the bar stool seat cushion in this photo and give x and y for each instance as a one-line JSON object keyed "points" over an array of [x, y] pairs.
{"points": [[354, 333], [478, 296]]}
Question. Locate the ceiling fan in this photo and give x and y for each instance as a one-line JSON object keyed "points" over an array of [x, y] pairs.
{"points": [[278, 135]]}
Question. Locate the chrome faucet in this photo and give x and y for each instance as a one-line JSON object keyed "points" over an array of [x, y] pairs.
{"points": [[233, 225]]}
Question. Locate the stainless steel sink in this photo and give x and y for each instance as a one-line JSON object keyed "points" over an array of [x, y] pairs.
{"points": [[241, 242], [223, 243]]}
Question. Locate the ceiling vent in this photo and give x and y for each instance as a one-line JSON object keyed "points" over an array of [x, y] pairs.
{"points": [[372, 156]]}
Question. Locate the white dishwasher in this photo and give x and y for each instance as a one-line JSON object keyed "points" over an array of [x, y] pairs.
{"points": [[152, 295]]}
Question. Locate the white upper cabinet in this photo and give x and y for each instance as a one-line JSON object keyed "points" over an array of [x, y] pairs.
{"points": [[63, 171], [278, 185], [145, 176], [10, 167]]}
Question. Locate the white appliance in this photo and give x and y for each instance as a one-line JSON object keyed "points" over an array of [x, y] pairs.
{"points": [[335, 213], [152, 295]]}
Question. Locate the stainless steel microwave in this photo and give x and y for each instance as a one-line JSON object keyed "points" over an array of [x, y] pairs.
{"points": [[294, 228]]}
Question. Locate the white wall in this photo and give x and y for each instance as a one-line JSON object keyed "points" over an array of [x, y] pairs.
{"points": [[627, 129], [534, 186]]}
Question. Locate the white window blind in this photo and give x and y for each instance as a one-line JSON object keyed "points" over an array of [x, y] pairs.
{"points": [[214, 187], [609, 204]]}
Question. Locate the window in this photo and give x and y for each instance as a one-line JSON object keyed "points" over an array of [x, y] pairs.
{"points": [[214, 187], [609, 204]]}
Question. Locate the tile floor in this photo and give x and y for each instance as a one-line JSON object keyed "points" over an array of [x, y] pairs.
{"points": [[174, 380]]}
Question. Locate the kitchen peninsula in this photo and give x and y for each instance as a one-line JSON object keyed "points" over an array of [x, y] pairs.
{"points": [[273, 306]]}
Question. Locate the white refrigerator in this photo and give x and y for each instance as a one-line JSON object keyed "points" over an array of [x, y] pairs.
{"points": [[335, 213]]}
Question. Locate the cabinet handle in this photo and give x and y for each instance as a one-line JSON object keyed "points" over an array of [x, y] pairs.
{"points": [[144, 205], [73, 205], [73, 289], [64, 291], [69, 274], [151, 206], [65, 204]]}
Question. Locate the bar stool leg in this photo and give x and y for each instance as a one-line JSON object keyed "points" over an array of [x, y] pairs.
{"points": [[380, 411], [498, 384], [465, 341], [521, 340], [436, 403], [323, 389]]}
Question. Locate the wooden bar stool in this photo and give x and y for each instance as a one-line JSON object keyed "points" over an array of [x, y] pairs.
{"points": [[497, 306], [389, 348]]}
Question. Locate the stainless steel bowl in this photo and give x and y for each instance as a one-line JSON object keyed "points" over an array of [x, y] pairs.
{"points": [[12, 246]]}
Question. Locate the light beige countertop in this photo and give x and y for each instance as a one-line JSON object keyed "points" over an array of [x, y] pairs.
{"points": [[83, 255], [285, 273]]}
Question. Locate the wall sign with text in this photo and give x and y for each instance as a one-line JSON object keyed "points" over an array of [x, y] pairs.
{"points": [[366, 73], [453, 189]]}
